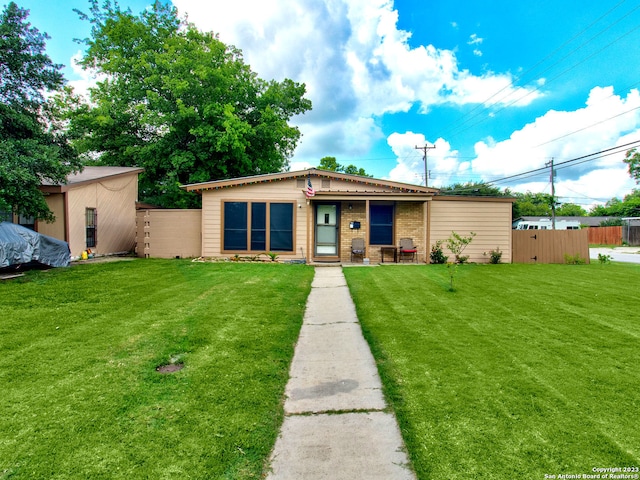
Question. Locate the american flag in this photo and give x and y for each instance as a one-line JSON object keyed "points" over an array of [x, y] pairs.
{"points": [[310, 191]]}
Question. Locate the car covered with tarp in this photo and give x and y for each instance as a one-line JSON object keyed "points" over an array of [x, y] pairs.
{"points": [[21, 247]]}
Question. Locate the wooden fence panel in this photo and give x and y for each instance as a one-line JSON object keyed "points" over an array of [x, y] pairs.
{"points": [[631, 235], [169, 233], [605, 235], [549, 246]]}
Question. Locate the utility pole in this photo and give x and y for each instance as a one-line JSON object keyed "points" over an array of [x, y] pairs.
{"points": [[424, 157], [553, 194]]}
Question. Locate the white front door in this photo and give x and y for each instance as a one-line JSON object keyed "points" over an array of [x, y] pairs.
{"points": [[327, 230]]}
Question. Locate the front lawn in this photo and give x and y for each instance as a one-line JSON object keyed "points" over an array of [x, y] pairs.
{"points": [[523, 371], [81, 397]]}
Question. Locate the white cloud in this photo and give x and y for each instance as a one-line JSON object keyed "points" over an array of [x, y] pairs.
{"points": [[606, 121], [355, 61], [85, 78], [442, 162], [562, 135], [474, 39]]}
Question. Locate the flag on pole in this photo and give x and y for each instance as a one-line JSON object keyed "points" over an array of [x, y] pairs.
{"points": [[310, 191]]}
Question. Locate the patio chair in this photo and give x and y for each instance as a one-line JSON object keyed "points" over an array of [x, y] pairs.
{"points": [[357, 248], [407, 248]]}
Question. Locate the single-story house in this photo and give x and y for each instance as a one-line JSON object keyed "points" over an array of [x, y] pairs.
{"points": [[315, 215], [95, 209]]}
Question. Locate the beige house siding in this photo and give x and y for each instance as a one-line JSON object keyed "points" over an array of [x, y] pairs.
{"points": [[489, 219], [56, 229], [114, 200], [168, 233], [281, 191]]}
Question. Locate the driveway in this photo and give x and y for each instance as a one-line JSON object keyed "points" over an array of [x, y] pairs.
{"points": [[618, 254]]}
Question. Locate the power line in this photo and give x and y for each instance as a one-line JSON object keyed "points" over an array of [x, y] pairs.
{"points": [[514, 82]]}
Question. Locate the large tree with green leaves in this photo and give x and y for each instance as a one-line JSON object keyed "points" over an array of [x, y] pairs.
{"points": [[331, 164], [33, 146], [475, 189], [629, 206], [570, 210], [632, 159], [532, 204], [180, 103]]}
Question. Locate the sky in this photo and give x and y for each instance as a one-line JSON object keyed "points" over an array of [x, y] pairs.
{"points": [[494, 88]]}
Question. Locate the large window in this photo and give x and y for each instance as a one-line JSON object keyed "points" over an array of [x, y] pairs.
{"points": [[281, 225], [381, 221], [258, 227], [91, 227]]}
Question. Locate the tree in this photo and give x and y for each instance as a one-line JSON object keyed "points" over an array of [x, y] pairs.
{"points": [[331, 164], [33, 147], [632, 159], [476, 189], [570, 210], [180, 103], [629, 206], [532, 204]]}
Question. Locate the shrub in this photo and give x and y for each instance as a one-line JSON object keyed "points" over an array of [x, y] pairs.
{"points": [[603, 258], [574, 259], [457, 243], [437, 255], [495, 256]]}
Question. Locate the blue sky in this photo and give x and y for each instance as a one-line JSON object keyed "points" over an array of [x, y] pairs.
{"points": [[498, 87]]}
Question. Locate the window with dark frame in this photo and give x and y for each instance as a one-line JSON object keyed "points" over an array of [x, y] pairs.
{"points": [[381, 224], [258, 226], [235, 226], [281, 227], [91, 227]]}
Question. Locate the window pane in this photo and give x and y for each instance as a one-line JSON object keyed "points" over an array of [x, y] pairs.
{"points": [[235, 226], [381, 230], [91, 227], [258, 226], [281, 227]]}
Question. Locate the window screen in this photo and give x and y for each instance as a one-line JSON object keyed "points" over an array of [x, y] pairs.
{"points": [[258, 226], [235, 226], [381, 219], [281, 227]]}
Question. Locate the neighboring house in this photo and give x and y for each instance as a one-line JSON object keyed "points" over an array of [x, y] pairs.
{"points": [[562, 223], [95, 209], [315, 214]]}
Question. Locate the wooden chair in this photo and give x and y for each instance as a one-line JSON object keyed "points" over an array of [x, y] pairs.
{"points": [[408, 248], [357, 248]]}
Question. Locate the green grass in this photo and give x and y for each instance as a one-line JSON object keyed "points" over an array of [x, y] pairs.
{"points": [[522, 371], [78, 352]]}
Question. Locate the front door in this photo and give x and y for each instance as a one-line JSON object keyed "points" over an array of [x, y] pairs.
{"points": [[327, 230]]}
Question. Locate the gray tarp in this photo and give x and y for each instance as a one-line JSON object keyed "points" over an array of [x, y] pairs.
{"points": [[19, 245]]}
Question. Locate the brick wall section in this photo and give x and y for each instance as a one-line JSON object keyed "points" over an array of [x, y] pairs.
{"points": [[356, 214], [409, 222]]}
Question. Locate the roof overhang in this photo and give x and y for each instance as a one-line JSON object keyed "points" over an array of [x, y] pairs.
{"points": [[312, 173], [91, 175], [389, 196]]}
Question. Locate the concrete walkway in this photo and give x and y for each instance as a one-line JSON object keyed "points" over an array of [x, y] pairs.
{"points": [[335, 426]]}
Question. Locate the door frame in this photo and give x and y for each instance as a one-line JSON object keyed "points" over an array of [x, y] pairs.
{"points": [[326, 257]]}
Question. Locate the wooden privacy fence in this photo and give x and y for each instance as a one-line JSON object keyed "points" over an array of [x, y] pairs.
{"points": [[605, 235], [549, 246], [168, 233], [631, 235]]}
